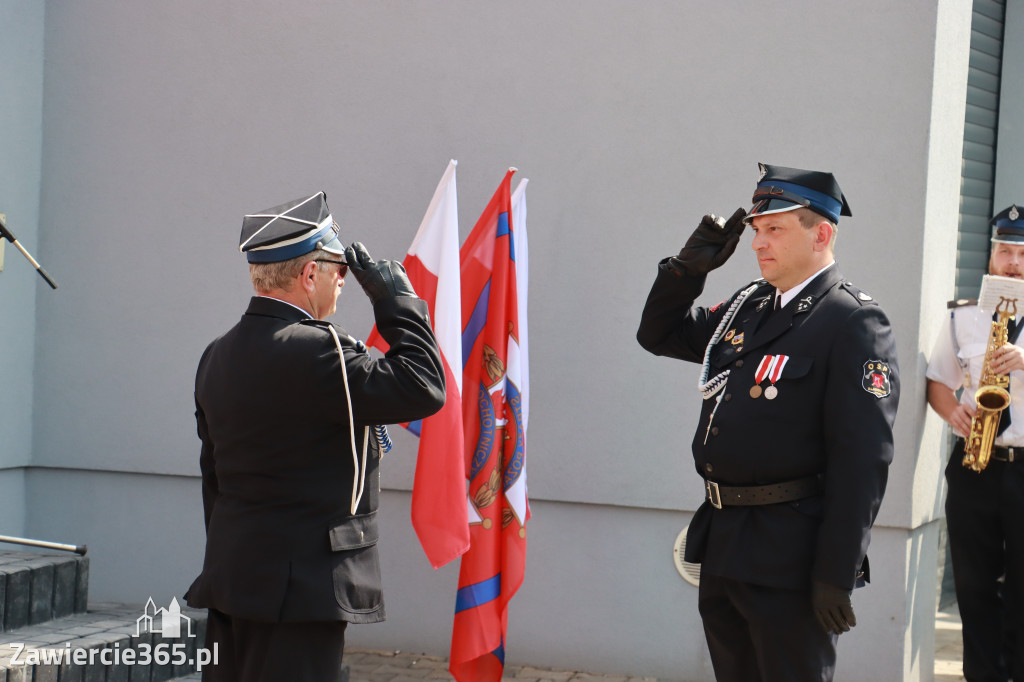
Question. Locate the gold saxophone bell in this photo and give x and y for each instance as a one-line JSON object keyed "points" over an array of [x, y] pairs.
{"points": [[992, 396]]}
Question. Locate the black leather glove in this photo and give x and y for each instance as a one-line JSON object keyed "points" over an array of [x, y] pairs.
{"points": [[833, 607], [711, 244], [379, 279]]}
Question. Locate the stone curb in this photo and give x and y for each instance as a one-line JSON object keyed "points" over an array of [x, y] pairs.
{"points": [[35, 588]]}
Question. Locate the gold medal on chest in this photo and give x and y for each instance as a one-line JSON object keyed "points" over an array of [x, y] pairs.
{"points": [[755, 391]]}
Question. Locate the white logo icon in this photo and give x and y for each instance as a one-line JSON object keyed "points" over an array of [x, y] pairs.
{"points": [[166, 622]]}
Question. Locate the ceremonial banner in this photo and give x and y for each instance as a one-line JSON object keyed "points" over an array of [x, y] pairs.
{"points": [[495, 444], [439, 487]]}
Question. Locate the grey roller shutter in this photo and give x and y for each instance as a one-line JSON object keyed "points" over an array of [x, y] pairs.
{"points": [[980, 125]]}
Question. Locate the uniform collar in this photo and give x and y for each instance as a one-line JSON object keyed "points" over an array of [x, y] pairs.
{"points": [[792, 292], [275, 307], [756, 335]]}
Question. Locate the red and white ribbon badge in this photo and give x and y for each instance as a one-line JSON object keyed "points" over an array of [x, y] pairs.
{"points": [[771, 367], [767, 362], [775, 370]]}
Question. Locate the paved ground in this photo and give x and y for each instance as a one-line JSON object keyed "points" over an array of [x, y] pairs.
{"points": [[394, 666], [383, 666], [949, 652]]}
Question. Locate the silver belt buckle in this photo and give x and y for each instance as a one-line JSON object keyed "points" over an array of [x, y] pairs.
{"points": [[714, 495], [1009, 454]]}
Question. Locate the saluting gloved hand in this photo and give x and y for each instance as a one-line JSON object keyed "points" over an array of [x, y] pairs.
{"points": [[711, 243], [379, 279], [833, 607]]}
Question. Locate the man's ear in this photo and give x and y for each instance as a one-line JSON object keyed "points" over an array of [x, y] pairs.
{"points": [[307, 277], [823, 236]]}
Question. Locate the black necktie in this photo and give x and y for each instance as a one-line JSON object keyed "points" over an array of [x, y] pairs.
{"points": [[1004, 421], [764, 312], [1013, 330]]}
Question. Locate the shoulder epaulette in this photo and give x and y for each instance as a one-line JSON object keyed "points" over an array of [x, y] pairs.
{"points": [[326, 326], [343, 335], [758, 282], [961, 302], [861, 296]]}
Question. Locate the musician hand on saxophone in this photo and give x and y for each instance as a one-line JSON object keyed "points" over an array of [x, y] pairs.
{"points": [[1005, 359], [960, 419], [1008, 358]]}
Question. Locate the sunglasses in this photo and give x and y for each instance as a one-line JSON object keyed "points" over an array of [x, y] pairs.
{"points": [[342, 267]]}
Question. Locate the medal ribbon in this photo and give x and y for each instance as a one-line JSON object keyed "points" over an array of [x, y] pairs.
{"points": [[775, 372], [767, 363]]}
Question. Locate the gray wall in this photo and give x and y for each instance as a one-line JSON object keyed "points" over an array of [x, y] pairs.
{"points": [[1009, 187], [165, 122], [21, 103]]}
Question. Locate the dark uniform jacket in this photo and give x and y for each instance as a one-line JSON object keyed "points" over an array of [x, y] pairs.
{"points": [[277, 465], [832, 417]]}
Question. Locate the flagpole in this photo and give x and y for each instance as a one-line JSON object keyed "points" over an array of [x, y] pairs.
{"points": [[9, 236], [77, 549]]}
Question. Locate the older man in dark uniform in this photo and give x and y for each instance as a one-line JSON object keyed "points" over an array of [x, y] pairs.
{"points": [[800, 388], [286, 406]]}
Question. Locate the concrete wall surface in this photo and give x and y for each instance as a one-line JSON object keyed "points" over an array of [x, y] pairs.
{"points": [[12, 502], [1009, 188], [21, 103], [164, 123]]}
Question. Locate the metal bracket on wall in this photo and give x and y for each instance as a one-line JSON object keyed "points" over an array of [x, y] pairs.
{"points": [[3, 219]]}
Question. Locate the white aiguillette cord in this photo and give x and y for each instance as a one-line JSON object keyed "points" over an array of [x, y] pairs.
{"points": [[359, 481], [710, 388]]}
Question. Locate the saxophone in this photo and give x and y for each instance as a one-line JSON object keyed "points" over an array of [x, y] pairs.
{"points": [[992, 395]]}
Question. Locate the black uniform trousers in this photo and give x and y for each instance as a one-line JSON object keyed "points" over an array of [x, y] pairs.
{"points": [[251, 651], [985, 520], [763, 634]]}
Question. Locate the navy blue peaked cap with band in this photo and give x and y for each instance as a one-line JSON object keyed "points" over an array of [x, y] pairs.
{"points": [[1009, 224], [781, 189], [291, 230]]}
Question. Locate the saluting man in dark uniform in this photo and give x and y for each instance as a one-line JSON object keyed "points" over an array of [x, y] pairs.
{"points": [[985, 510], [800, 388], [287, 407]]}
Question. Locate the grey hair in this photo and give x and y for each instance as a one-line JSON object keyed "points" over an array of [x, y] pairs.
{"points": [[282, 274]]}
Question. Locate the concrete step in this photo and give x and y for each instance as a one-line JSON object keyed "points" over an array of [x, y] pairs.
{"points": [[37, 587], [107, 643]]}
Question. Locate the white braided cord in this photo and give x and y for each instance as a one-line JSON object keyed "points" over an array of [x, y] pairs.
{"points": [[359, 478], [710, 388]]}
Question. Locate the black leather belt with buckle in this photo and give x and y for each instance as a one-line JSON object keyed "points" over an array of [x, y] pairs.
{"points": [[749, 495], [1003, 453], [1007, 454]]}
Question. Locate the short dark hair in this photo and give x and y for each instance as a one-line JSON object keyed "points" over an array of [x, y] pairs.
{"points": [[809, 219]]}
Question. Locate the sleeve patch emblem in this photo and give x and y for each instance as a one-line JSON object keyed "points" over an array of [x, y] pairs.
{"points": [[876, 378]]}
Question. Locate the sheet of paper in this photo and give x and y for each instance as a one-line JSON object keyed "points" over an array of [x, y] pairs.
{"points": [[995, 289]]}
